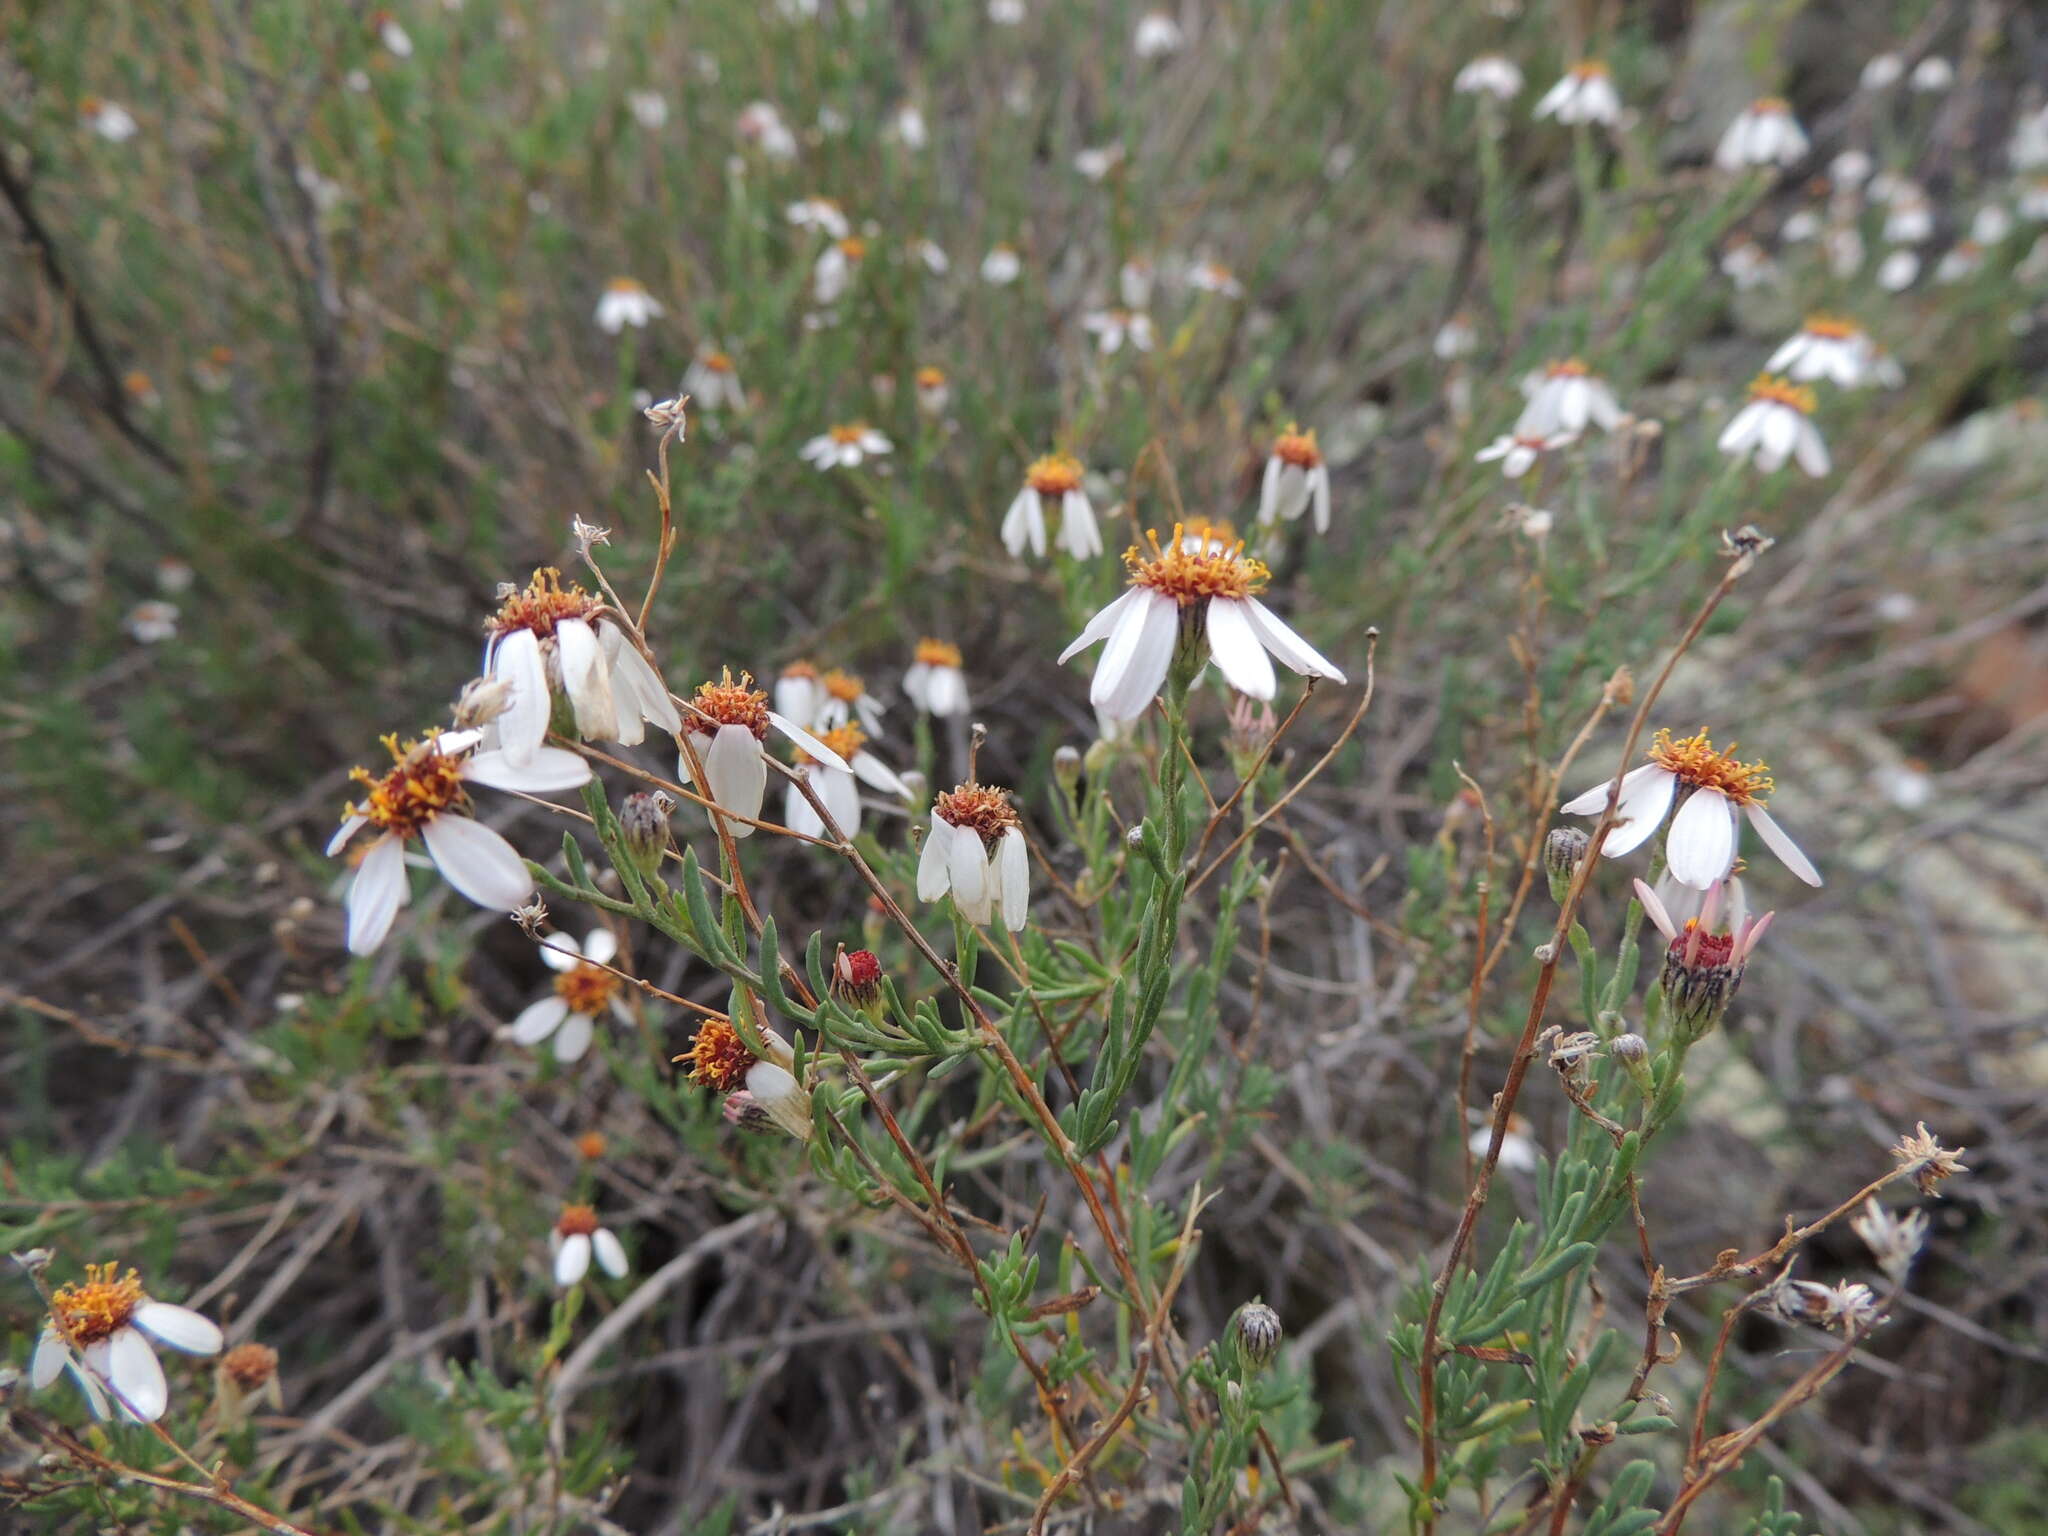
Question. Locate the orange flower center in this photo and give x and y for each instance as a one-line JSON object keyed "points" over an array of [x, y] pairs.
{"points": [[718, 362], [843, 686], [848, 432], [937, 653], [1054, 475], [978, 806], [718, 1057], [1589, 69], [137, 382], [422, 782], [249, 1366], [624, 285], [800, 669], [853, 248], [846, 740], [1771, 106], [1782, 392], [1833, 327], [734, 703], [1696, 763], [542, 604], [587, 989], [1196, 566], [93, 1309], [931, 378], [576, 1221], [1297, 447], [1569, 368]]}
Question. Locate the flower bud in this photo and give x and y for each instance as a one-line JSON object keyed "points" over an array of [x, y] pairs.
{"points": [[1258, 1333], [1633, 1052], [1563, 851], [781, 1097], [857, 980], [246, 1375], [643, 822], [1066, 768]]}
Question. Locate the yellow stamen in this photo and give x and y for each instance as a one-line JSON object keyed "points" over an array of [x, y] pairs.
{"points": [[1782, 392], [1054, 475], [733, 703], [92, 1310], [937, 653], [1196, 566], [1696, 763], [422, 782]]}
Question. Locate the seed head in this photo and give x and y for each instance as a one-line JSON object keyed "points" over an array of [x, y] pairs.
{"points": [[1258, 1333]]}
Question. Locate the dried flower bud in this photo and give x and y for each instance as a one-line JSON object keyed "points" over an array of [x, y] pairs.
{"points": [[249, 1366], [1066, 768], [743, 1113], [643, 821], [1928, 1160], [1629, 1050], [247, 1374], [668, 415], [857, 979], [1258, 1333], [1563, 851], [483, 699], [1894, 1241]]}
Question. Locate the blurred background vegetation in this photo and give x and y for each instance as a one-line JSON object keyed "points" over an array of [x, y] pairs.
{"points": [[310, 358]]}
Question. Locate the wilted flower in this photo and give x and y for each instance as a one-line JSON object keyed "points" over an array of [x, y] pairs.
{"points": [[1928, 1160], [1704, 956], [104, 1329], [1585, 95], [1763, 133], [1158, 35], [1849, 1306], [712, 382], [1776, 425], [1490, 75], [1296, 478], [1054, 480], [845, 446], [1893, 1241], [247, 1374], [1001, 265], [584, 988], [1197, 591], [547, 639], [1565, 397], [976, 850], [728, 723], [934, 681], [1716, 785], [625, 302], [575, 1238], [1113, 327]]}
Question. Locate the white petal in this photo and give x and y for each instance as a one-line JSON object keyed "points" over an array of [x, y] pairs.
{"points": [[1269, 492], [350, 826], [967, 868], [560, 952], [51, 1356], [808, 744], [1788, 852], [538, 1020], [1100, 627], [572, 1259], [1283, 642], [737, 772], [841, 796], [547, 771], [916, 686], [1594, 800], [1640, 813], [1137, 658], [1743, 431], [1234, 647], [586, 678], [797, 814], [611, 1253], [600, 946], [1786, 355], [876, 774], [1079, 535], [479, 863], [136, 1375], [1024, 524], [635, 684], [1700, 847], [179, 1327], [946, 692], [574, 1037], [1013, 873], [932, 879], [377, 892], [1319, 488], [516, 659], [1653, 905], [1812, 452]]}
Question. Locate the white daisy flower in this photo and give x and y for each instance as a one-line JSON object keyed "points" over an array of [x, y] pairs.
{"points": [[836, 265], [104, 1330], [1097, 162], [1134, 283], [625, 303], [837, 782], [649, 109], [712, 381], [397, 42], [845, 446], [761, 124], [584, 990], [976, 852], [1800, 226], [934, 681], [819, 213], [1850, 169], [421, 795], [152, 623], [1491, 74], [1763, 133], [930, 255], [799, 693], [727, 726], [1748, 265], [1296, 479], [1718, 791], [576, 1238], [1826, 347], [1883, 69], [1200, 583], [1962, 260], [1111, 328], [1053, 480], [2027, 149], [1776, 425], [549, 640], [1518, 451], [908, 127], [109, 119], [1001, 266], [1991, 224], [933, 392], [1518, 1152], [1585, 95], [1933, 73], [1455, 338], [1006, 13], [844, 697], [1157, 36], [1909, 220], [1898, 271], [1214, 277], [1566, 397]]}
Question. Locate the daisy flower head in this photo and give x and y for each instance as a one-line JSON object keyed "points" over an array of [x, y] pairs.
{"points": [[1776, 425], [1566, 396], [976, 851], [934, 394], [1134, 282], [625, 302], [649, 109], [1098, 161], [1586, 94], [1111, 328], [1898, 271], [424, 795], [1490, 74], [576, 1238], [728, 723], [1850, 169], [1990, 224], [800, 692], [1748, 265], [1962, 260], [1827, 347], [760, 123], [845, 446], [1002, 265], [845, 697], [908, 127], [713, 382], [929, 254], [836, 780], [152, 622], [1195, 595], [104, 1329], [1158, 35], [1518, 452], [1714, 791], [1909, 216], [934, 681], [585, 989], [820, 213], [396, 40], [1214, 277], [835, 268], [1764, 133], [1054, 481], [550, 641], [1933, 73], [1455, 338], [1708, 940], [1883, 69], [1296, 479], [109, 119]]}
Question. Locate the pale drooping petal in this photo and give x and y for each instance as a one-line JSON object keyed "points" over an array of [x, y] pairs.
{"points": [[1319, 487], [808, 744], [479, 863], [637, 689], [546, 771], [136, 1375], [179, 1327], [1292, 651], [377, 892], [538, 1020], [967, 869], [574, 1037], [840, 794], [600, 946], [516, 660], [1138, 656], [876, 774], [1013, 875], [51, 1356], [349, 827], [586, 679], [572, 1259], [611, 1253], [1079, 535], [1024, 524], [1102, 626], [1700, 848], [932, 875], [1269, 492], [560, 952], [1234, 647], [1788, 852], [736, 772], [1594, 800], [1640, 813]]}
